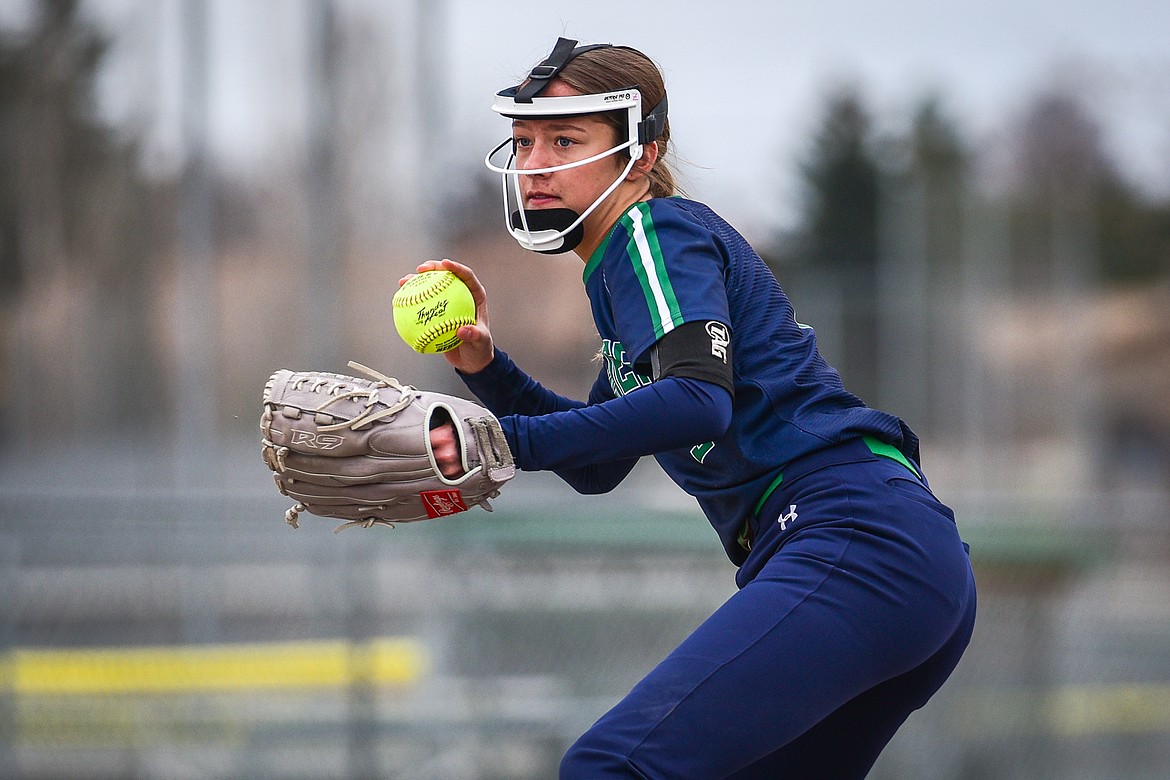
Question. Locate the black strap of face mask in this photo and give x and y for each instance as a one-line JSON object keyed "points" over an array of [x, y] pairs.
{"points": [[654, 124], [540, 76], [564, 52]]}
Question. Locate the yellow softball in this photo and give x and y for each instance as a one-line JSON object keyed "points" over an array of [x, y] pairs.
{"points": [[430, 308]]}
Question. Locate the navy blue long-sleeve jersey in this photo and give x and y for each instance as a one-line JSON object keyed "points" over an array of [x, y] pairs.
{"points": [[670, 261]]}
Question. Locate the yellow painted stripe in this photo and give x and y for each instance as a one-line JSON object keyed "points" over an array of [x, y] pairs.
{"points": [[1110, 709], [1069, 710], [276, 665]]}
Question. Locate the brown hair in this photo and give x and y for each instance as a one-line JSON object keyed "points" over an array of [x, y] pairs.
{"points": [[617, 67]]}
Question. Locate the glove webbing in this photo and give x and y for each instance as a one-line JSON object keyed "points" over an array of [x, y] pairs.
{"points": [[371, 415]]}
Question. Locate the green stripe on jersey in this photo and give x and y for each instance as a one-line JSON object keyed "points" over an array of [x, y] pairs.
{"points": [[646, 257]]}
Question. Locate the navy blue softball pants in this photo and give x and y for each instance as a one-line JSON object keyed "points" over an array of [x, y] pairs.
{"points": [[854, 607]]}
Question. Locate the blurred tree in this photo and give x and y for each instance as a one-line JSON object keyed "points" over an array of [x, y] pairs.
{"points": [[941, 161], [925, 192], [841, 190], [74, 214], [51, 139], [1071, 192], [829, 261], [1060, 165], [876, 261], [1135, 234]]}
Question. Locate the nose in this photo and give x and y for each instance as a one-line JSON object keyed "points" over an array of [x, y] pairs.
{"points": [[534, 157]]}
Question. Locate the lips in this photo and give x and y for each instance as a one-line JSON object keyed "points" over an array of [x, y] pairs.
{"points": [[538, 199]]}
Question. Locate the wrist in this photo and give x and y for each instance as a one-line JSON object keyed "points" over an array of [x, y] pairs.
{"points": [[472, 370]]}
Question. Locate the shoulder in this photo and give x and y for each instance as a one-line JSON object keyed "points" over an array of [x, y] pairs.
{"points": [[664, 226], [661, 233], [674, 212]]}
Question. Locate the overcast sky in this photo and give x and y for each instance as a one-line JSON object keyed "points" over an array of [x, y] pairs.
{"points": [[746, 78]]}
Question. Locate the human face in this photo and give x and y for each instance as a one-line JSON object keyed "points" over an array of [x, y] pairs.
{"points": [[547, 143]]}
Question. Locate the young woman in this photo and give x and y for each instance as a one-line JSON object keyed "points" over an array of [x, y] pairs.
{"points": [[856, 597]]}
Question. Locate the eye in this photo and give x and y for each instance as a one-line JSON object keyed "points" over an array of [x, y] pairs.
{"points": [[563, 142], [520, 142]]}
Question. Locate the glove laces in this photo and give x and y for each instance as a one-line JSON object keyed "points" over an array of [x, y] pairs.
{"points": [[372, 398]]}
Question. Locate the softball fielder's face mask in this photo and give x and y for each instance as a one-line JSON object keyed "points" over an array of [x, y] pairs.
{"points": [[553, 231]]}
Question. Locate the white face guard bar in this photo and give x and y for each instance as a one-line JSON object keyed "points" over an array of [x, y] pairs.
{"points": [[559, 230], [553, 240]]}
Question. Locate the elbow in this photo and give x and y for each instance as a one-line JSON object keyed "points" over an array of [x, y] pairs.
{"points": [[597, 479], [591, 488], [592, 482], [588, 486]]}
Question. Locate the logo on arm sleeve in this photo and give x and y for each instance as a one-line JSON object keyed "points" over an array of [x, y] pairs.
{"points": [[700, 451], [720, 339]]}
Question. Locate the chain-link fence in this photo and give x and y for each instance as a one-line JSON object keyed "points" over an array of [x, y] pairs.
{"points": [[161, 634]]}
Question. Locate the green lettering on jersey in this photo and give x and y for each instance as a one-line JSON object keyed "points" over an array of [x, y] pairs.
{"points": [[623, 378]]}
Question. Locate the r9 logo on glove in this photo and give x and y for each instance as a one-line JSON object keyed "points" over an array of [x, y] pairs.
{"points": [[317, 441]]}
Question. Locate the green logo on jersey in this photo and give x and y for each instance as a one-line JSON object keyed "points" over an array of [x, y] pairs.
{"points": [[700, 451], [623, 378]]}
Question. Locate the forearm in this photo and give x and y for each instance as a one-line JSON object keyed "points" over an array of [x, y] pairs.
{"points": [[505, 389], [668, 414], [593, 447]]}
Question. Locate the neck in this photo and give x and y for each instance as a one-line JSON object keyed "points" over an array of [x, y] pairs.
{"points": [[598, 224]]}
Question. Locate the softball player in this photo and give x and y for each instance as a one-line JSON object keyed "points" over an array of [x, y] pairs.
{"points": [[856, 597]]}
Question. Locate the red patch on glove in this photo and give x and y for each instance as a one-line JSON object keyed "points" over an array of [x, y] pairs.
{"points": [[440, 503]]}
